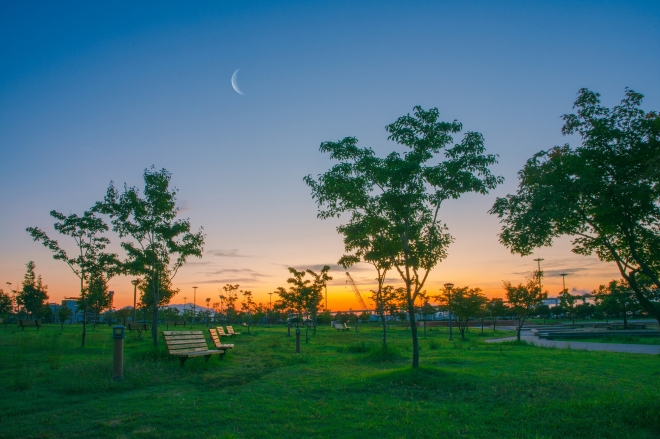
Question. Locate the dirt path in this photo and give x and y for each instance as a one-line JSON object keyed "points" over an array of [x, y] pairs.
{"points": [[610, 347]]}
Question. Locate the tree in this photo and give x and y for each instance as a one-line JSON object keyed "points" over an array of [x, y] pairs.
{"points": [[98, 299], [155, 235], [6, 303], [33, 294], [230, 297], [543, 310], [63, 314], [616, 299], [123, 314], [496, 308], [604, 193], [405, 193], [464, 304], [86, 231], [567, 302], [523, 299], [304, 296]]}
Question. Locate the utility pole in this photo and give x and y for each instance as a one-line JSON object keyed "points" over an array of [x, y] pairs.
{"points": [[563, 275], [539, 273], [194, 301]]}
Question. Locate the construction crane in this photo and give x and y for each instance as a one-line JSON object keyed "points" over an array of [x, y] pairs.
{"points": [[356, 291]]}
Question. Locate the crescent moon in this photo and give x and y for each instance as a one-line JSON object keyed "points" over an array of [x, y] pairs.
{"points": [[234, 83]]}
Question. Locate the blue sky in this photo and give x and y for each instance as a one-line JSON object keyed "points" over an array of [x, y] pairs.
{"points": [[92, 92]]}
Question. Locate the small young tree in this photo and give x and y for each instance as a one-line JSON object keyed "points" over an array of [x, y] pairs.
{"points": [[33, 294], [123, 314], [6, 304], [543, 310], [616, 299], [230, 297], [154, 235], [98, 299], [63, 314], [567, 301], [87, 233], [464, 304], [523, 300], [496, 308]]}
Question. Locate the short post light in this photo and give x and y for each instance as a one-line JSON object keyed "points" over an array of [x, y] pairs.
{"points": [[449, 286], [118, 363], [298, 340]]}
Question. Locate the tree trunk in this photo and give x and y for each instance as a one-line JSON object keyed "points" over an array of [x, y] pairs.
{"points": [[154, 322], [520, 323], [82, 294], [382, 319], [413, 331], [482, 325]]}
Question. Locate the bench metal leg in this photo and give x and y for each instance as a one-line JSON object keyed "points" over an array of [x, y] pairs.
{"points": [[207, 358], [182, 360]]}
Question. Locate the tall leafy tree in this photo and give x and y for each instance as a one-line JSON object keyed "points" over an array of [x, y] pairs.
{"points": [[405, 191], [89, 257], [523, 300], [568, 302], [157, 244], [33, 292], [605, 193], [63, 314]]}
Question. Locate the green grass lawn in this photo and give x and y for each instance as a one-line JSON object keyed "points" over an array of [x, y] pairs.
{"points": [[341, 386]]}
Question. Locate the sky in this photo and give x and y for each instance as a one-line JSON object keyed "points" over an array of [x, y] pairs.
{"points": [[94, 92]]}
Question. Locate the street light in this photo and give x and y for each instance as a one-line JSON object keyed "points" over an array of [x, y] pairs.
{"points": [[135, 283], [208, 316], [222, 298], [538, 260], [448, 287]]}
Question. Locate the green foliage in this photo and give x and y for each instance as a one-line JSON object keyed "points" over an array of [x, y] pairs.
{"points": [[393, 202], [6, 303], [523, 299], [304, 296], [33, 293], [152, 235], [465, 303], [604, 193], [90, 260], [64, 314]]}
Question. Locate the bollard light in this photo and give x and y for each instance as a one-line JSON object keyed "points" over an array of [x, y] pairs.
{"points": [[118, 360], [118, 331]]}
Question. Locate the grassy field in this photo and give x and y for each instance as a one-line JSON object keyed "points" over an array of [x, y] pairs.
{"points": [[341, 386]]}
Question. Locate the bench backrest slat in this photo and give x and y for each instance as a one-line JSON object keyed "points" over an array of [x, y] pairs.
{"points": [[179, 342]]}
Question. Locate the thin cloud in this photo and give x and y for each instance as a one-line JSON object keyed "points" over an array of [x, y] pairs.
{"points": [[232, 280], [235, 271], [231, 253]]}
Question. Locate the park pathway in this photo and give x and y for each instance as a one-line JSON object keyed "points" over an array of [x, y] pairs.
{"points": [[610, 347]]}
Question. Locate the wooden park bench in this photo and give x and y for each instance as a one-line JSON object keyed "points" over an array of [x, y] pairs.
{"points": [[139, 327], [216, 340], [230, 331], [221, 331], [341, 327], [23, 323], [187, 344], [175, 323]]}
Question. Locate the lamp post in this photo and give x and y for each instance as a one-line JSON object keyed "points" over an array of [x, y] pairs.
{"points": [[118, 357], [194, 302], [448, 287], [135, 283], [538, 260], [208, 316]]}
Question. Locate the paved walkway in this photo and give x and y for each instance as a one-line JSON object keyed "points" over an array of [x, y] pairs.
{"points": [[611, 347]]}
